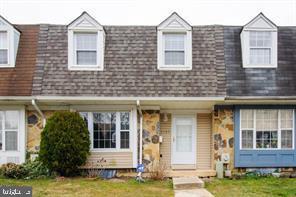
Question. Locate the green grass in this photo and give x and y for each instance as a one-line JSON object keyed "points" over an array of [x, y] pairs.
{"points": [[94, 187], [268, 186]]}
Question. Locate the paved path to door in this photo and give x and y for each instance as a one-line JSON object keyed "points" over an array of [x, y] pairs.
{"points": [[190, 187]]}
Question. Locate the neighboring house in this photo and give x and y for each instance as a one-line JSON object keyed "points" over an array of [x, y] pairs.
{"points": [[185, 96]]}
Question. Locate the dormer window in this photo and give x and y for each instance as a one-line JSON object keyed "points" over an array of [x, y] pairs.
{"points": [[174, 44], [3, 48], [260, 47], [174, 48], [9, 41], [86, 48], [259, 43], [85, 44]]}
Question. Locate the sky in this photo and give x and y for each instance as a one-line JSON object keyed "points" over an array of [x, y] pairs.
{"points": [[148, 12]]}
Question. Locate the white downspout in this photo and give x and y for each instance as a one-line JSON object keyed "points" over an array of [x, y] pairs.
{"points": [[39, 111], [141, 130], [139, 176]]}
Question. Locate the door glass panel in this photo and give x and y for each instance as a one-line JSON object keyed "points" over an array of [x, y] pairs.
{"points": [[184, 138]]}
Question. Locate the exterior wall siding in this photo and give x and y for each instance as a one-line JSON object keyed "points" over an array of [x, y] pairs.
{"points": [[262, 158], [109, 160], [203, 145]]}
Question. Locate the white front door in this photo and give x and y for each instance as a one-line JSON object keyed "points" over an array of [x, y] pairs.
{"points": [[184, 139]]}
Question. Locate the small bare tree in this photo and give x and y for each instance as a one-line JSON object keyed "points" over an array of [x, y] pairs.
{"points": [[158, 171]]}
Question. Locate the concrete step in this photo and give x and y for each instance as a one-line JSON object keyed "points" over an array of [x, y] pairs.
{"points": [[183, 183]]}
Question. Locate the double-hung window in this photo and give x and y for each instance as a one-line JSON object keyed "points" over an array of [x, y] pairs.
{"points": [[3, 47], [108, 130], [260, 47], [267, 129], [9, 129], [85, 48], [174, 49]]}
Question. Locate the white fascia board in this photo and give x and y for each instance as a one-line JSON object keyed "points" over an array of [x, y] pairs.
{"points": [[85, 98]]}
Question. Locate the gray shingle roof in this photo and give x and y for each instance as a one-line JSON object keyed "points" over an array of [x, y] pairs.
{"points": [[279, 81], [130, 67]]}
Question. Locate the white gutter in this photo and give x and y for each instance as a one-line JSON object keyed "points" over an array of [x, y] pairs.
{"points": [[101, 98], [39, 111]]}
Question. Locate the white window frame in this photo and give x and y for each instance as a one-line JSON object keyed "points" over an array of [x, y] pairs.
{"points": [[21, 146], [174, 25], [254, 131], [118, 131], [12, 42], [259, 23], [7, 48], [86, 24]]}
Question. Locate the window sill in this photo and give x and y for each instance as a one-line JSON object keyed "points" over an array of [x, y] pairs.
{"points": [[260, 66], [267, 149], [6, 66], [174, 67], [109, 150], [85, 68]]}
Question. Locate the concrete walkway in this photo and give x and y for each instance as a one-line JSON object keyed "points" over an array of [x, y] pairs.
{"points": [[190, 187]]}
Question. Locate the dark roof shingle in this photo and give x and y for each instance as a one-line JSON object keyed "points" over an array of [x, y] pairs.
{"points": [[280, 81], [130, 65]]}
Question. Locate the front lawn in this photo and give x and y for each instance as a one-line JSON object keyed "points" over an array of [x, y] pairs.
{"points": [[253, 187], [94, 187]]}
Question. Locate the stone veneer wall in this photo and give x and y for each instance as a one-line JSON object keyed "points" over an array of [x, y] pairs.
{"points": [[223, 134], [151, 131], [34, 129]]}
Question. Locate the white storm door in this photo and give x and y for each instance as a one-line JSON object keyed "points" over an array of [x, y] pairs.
{"points": [[184, 140]]}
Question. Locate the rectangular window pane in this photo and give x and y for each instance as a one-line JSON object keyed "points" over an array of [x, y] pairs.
{"points": [[260, 39], [260, 56], [124, 120], [104, 134], [247, 119], [286, 119], [267, 128], [86, 57], [174, 58], [3, 56], [86, 41], [124, 139], [286, 139], [175, 42], [247, 139], [11, 140], [11, 120]]}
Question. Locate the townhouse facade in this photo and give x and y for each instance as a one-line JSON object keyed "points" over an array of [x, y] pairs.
{"points": [[180, 95]]}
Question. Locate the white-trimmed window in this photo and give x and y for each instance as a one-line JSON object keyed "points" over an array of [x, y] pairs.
{"points": [[9, 129], [108, 130], [85, 44], [9, 41], [174, 44], [267, 129], [85, 48], [260, 47], [259, 43], [3, 47]]}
